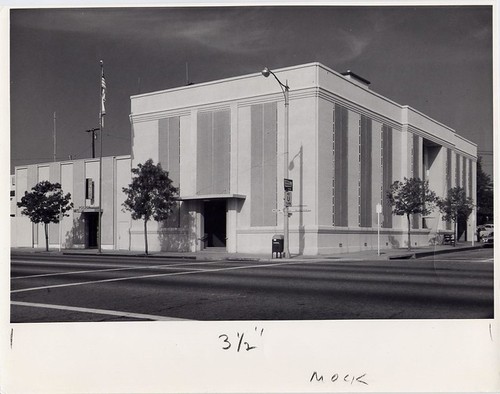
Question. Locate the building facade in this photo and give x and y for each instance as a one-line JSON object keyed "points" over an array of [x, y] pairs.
{"points": [[223, 145], [80, 228]]}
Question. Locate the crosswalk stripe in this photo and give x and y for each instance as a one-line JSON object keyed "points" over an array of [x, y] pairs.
{"points": [[98, 311], [155, 276], [162, 266]]}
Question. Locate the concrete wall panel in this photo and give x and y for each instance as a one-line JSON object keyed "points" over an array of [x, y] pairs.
{"points": [[145, 142], [23, 227], [187, 155], [245, 164], [67, 182], [325, 163]]}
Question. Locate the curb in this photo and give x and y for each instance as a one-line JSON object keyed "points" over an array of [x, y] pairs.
{"points": [[416, 255], [398, 256], [147, 256]]}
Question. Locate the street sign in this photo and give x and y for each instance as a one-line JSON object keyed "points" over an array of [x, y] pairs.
{"points": [[288, 183], [379, 211], [288, 198]]}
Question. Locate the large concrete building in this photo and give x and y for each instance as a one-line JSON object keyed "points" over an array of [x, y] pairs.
{"points": [[223, 145]]}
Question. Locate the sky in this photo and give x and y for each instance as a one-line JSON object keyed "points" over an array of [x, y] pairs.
{"points": [[437, 60]]}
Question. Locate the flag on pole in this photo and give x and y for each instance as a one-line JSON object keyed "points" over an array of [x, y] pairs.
{"points": [[103, 91]]}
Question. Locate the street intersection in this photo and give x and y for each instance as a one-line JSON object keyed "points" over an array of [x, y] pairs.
{"points": [[65, 288]]}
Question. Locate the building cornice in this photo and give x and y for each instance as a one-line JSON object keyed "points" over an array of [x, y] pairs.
{"points": [[359, 109], [447, 144]]}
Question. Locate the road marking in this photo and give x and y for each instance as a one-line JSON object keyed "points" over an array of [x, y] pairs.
{"points": [[154, 276], [98, 311], [73, 264], [173, 266]]}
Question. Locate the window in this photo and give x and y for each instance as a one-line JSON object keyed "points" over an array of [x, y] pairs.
{"points": [[89, 189], [340, 136], [213, 152]]}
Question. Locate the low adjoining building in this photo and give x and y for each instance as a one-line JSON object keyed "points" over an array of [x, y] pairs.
{"points": [[81, 179]]}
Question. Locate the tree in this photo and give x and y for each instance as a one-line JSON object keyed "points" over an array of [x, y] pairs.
{"points": [[484, 195], [411, 197], [456, 207], [151, 195], [45, 204]]}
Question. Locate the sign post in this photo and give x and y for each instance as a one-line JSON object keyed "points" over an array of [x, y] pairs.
{"points": [[473, 225], [379, 211], [60, 227]]}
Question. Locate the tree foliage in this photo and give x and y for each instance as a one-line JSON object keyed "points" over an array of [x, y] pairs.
{"points": [[151, 195], [45, 204], [484, 195], [456, 207], [410, 197]]}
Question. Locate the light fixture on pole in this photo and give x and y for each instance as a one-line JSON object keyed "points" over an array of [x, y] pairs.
{"points": [[285, 89]]}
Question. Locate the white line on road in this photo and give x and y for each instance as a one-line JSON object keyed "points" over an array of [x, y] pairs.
{"points": [[97, 311], [72, 264], [173, 266], [156, 275], [457, 260]]}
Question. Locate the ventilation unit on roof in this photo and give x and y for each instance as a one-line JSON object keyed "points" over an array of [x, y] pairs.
{"points": [[356, 79]]}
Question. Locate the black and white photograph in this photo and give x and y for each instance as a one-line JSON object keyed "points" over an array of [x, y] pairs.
{"points": [[248, 183]]}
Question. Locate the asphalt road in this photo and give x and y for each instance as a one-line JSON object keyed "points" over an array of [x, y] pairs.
{"points": [[51, 288]]}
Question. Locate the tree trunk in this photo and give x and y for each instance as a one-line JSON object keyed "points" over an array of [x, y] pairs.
{"points": [[45, 225], [409, 241], [455, 233], [146, 236]]}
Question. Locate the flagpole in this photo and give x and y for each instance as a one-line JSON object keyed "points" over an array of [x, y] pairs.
{"points": [[55, 136], [101, 123]]}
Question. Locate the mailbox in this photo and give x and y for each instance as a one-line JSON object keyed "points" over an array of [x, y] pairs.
{"points": [[278, 242]]}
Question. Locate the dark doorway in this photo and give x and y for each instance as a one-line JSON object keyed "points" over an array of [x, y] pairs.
{"points": [[215, 223], [462, 230], [92, 223]]}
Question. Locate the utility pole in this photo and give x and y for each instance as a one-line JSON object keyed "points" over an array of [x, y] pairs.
{"points": [[93, 138]]}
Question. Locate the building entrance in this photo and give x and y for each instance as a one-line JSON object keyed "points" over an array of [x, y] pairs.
{"points": [[91, 225], [215, 223]]}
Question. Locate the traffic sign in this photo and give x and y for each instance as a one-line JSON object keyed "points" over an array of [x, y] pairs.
{"points": [[288, 198], [288, 183]]}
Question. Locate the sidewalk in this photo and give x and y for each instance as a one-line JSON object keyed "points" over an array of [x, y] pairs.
{"points": [[218, 254]]}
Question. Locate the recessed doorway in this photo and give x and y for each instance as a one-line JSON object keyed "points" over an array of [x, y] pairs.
{"points": [[215, 223], [91, 224]]}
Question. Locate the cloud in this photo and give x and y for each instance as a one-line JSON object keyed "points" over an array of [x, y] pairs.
{"points": [[350, 45], [209, 28]]}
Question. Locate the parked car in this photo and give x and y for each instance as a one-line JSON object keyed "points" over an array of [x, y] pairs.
{"points": [[488, 239], [485, 229]]}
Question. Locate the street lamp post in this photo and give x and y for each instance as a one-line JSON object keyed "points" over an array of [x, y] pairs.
{"points": [[285, 89]]}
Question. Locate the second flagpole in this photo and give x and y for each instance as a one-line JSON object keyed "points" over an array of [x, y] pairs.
{"points": [[101, 123]]}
